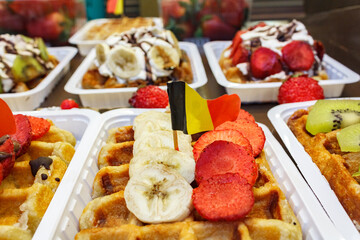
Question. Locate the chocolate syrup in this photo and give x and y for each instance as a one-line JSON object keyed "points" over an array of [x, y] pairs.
{"points": [[36, 164]]}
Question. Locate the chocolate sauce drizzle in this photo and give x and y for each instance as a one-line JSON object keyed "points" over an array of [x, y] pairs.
{"points": [[36, 164]]}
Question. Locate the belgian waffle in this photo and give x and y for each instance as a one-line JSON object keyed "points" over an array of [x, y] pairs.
{"points": [[27, 191], [336, 166], [107, 217], [102, 31]]}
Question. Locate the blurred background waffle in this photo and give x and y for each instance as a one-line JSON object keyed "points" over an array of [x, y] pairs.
{"points": [[27, 191], [107, 215]]}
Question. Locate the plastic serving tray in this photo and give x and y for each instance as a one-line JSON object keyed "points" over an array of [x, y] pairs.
{"points": [[119, 97], [32, 99], [315, 223], [80, 123], [278, 116], [84, 45], [339, 75]]}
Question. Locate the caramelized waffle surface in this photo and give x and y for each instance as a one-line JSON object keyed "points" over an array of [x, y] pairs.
{"points": [[336, 166], [107, 217], [27, 191], [119, 25]]}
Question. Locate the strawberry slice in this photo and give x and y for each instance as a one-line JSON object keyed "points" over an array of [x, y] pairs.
{"points": [[243, 114], [241, 55], [250, 130], [320, 49], [264, 62], [260, 24], [236, 42], [298, 55], [39, 127], [7, 156], [229, 135], [22, 137], [226, 197], [222, 157]]}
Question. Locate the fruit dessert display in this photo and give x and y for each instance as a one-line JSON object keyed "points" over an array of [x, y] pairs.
{"points": [[221, 188], [33, 161], [273, 53], [24, 63], [330, 133], [142, 56], [117, 25]]}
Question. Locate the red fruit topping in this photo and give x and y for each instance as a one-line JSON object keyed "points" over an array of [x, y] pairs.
{"points": [[7, 156], [39, 127], [225, 135], [68, 104], [298, 55], [22, 137], [236, 42], [226, 197], [149, 97], [222, 157], [7, 122], [241, 55], [300, 89], [264, 62], [320, 49], [243, 114], [250, 130], [216, 29], [260, 24]]}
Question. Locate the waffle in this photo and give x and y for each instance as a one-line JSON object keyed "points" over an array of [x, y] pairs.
{"points": [[24, 197], [107, 217], [119, 25], [336, 166]]}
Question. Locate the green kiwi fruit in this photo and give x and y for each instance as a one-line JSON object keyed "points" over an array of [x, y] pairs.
{"points": [[1, 87], [26, 39], [349, 138], [43, 50], [26, 68], [328, 115]]}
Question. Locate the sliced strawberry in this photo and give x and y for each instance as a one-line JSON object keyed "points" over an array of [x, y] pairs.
{"points": [[7, 156], [264, 62], [243, 114], [250, 130], [39, 127], [225, 135], [22, 137], [320, 49], [236, 42], [260, 24], [241, 55], [298, 55], [226, 197], [222, 157]]}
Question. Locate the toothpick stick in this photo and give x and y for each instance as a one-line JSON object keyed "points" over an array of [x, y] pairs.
{"points": [[176, 145]]}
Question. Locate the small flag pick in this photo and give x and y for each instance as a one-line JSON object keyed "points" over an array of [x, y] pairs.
{"points": [[7, 121], [191, 113]]}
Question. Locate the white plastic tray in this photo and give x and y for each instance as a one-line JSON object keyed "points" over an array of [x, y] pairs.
{"points": [[339, 75], [119, 97], [32, 99], [84, 45], [278, 117], [315, 223], [80, 122]]}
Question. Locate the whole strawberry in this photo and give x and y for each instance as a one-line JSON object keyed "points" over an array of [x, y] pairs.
{"points": [[149, 97], [300, 89]]}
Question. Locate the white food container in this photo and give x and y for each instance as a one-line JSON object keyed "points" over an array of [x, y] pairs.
{"points": [[278, 116], [84, 45], [80, 122], [315, 223], [32, 99], [339, 75], [119, 97]]}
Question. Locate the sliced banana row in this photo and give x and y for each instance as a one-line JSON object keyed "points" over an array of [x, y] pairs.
{"points": [[159, 187]]}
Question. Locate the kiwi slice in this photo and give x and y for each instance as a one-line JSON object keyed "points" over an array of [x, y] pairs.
{"points": [[26, 68], [43, 50], [26, 39], [1, 87], [349, 138], [328, 115]]}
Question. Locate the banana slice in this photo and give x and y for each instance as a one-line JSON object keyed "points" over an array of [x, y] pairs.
{"points": [[178, 161], [158, 194], [122, 61], [151, 121], [173, 40], [102, 50], [164, 58]]}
